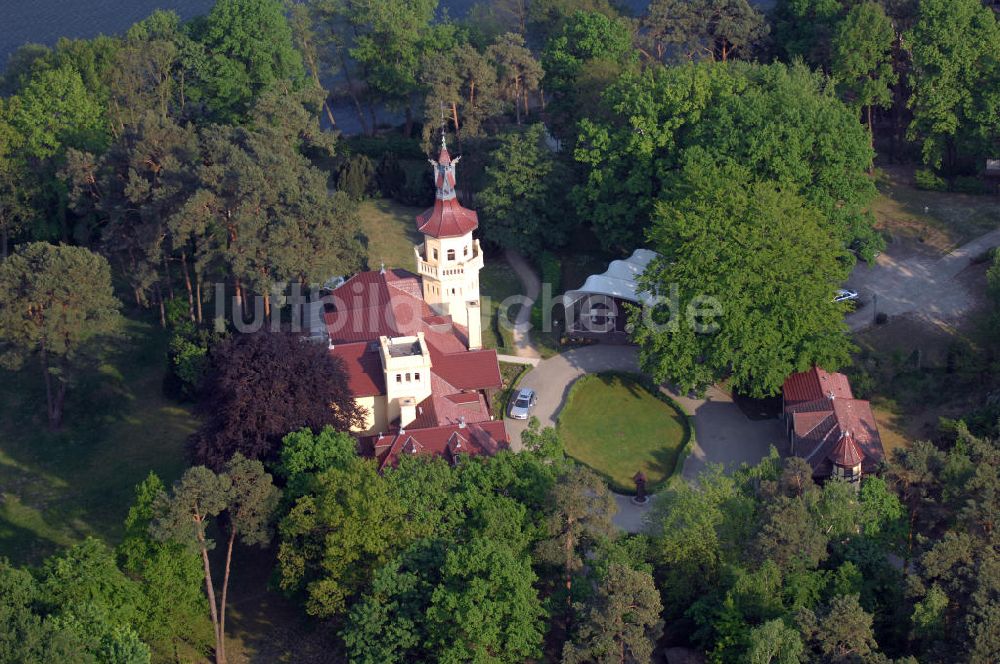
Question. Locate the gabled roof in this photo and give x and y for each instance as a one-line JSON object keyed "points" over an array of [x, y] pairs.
{"points": [[815, 384], [482, 438], [834, 428], [389, 303]]}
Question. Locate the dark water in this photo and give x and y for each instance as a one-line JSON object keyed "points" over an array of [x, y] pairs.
{"points": [[45, 21]]}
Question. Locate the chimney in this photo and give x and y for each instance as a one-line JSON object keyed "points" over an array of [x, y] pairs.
{"points": [[407, 411], [475, 324]]}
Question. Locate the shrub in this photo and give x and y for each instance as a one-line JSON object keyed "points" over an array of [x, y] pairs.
{"points": [[965, 184], [389, 176], [356, 177], [993, 275], [929, 180], [881, 318], [418, 184]]}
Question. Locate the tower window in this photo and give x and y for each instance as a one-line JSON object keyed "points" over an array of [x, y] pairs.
{"points": [[407, 378], [465, 250], [416, 376], [435, 253], [451, 254], [399, 378]]}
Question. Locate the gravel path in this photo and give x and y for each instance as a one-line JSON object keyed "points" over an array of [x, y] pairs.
{"points": [[532, 287]]}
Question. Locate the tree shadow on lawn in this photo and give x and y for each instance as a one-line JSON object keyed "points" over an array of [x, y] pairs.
{"points": [[60, 486]]}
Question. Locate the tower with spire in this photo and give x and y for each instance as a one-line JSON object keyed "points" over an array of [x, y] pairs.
{"points": [[449, 259]]}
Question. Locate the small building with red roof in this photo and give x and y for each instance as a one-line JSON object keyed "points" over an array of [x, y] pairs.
{"points": [[411, 343], [836, 433]]}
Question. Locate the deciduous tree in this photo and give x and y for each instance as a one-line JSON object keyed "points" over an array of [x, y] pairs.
{"points": [[863, 60], [263, 386], [745, 276], [955, 99]]}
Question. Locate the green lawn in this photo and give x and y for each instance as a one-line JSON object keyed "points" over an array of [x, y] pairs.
{"points": [[58, 487], [497, 282], [617, 427], [392, 233]]}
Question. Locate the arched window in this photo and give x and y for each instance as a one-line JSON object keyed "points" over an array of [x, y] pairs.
{"points": [[451, 254]]}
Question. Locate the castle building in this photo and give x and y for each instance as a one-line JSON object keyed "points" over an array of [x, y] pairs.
{"points": [[412, 343]]}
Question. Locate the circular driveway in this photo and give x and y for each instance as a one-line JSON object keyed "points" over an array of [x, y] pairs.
{"points": [[723, 434]]}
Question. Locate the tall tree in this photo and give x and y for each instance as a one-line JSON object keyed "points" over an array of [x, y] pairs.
{"points": [[249, 47], [582, 508], [624, 623], [842, 631], [955, 98], [57, 306], [519, 73], [389, 38], [184, 516], [743, 281], [253, 500], [309, 40], [777, 121], [591, 50], [462, 80], [263, 386], [133, 192], [863, 59], [259, 199], [15, 182], [523, 202], [170, 579]]}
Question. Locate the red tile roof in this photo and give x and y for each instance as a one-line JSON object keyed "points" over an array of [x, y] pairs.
{"points": [[846, 452], [833, 428], [374, 304], [447, 218], [363, 366], [483, 438], [815, 384]]}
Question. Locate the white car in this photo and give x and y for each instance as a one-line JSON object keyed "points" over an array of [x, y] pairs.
{"points": [[843, 295], [523, 402]]}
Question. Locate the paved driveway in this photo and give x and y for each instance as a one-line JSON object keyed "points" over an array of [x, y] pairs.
{"points": [[917, 284], [723, 433]]}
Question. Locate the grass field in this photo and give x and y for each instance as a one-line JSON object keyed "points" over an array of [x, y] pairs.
{"points": [[391, 231], [58, 487], [617, 427]]}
